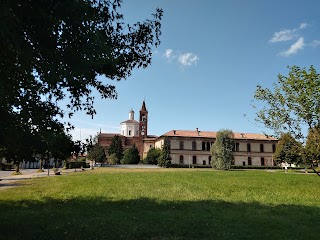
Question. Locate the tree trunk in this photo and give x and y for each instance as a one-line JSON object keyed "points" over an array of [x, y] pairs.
{"points": [[17, 166], [40, 163]]}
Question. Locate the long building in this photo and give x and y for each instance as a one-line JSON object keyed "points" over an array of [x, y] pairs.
{"points": [[192, 146]]}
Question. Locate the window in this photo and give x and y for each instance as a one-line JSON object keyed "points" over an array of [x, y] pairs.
{"points": [[273, 147], [204, 162], [181, 145], [248, 147], [129, 133], [208, 146], [194, 146], [181, 159], [236, 147], [249, 161], [261, 148], [262, 161], [194, 160], [210, 160], [203, 146]]}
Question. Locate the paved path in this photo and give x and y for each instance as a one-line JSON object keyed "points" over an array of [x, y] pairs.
{"points": [[8, 180]]}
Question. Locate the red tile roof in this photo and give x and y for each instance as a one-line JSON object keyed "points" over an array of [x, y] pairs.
{"points": [[206, 134]]}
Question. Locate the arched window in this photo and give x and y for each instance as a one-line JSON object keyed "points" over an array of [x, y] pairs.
{"points": [[262, 161], [194, 145], [261, 148], [181, 159], [203, 146], [249, 161], [194, 160], [273, 147], [181, 145], [248, 147]]}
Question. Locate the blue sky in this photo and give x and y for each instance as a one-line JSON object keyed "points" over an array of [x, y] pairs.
{"points": [[212, 56]]}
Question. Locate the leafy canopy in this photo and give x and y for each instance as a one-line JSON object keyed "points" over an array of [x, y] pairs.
{"points": [[222, 150], [152, 156], [293, 103], [131, 156], [54, 54], [116, 147], [288, 150], [164, 159]]}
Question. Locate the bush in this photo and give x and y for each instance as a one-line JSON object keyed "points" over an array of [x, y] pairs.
{"points": [[78, 165], [112, 159], [5, 167]]}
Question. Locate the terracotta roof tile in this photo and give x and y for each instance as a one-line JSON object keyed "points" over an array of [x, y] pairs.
{"points": [[206, 134]]}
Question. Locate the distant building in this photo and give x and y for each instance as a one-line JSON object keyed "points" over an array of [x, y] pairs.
{"points": [[132, 132], [191, 147]]}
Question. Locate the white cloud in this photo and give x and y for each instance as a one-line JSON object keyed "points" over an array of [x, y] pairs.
{"points": [[303, 25], [315, 43], [185, 59], [188, 59], [168, 53], [282, 36], [287, 34], [294, 48]]}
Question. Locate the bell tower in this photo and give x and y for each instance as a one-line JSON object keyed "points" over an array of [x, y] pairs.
{"points": [[143, 121]]}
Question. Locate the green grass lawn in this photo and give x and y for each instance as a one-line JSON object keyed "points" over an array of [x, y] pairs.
{"points": [[163, 204]]}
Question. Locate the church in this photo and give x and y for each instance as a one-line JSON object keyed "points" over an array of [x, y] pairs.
{"points": [[191, 146]]}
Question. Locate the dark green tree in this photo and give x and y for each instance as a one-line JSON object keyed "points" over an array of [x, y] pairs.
{"points": [[131, 156], [116, 147], [222, 150], [52, 53], [152, 156], [97, 153], [292, 104], [288, 150], [312, 147], [164, 159]]}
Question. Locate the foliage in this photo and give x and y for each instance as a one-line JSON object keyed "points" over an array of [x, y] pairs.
{"points": [[152, 156], [53, 53], [112, 159], [313, 146], [288, 150], [97, 153], [222, 150], [116, 147], [164, 159], [292, 104], [131, 156]]}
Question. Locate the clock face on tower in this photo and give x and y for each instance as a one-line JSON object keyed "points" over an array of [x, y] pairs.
{"points": [[142, 133]]}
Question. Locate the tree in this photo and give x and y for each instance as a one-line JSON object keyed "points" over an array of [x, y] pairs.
{"points": [[152, 156], [288, 150], [97, 153], [112, 159], [164, 159], [52, 53], [222, 150], [116, 147], [292, 105], [312, 146], [131, 156]]}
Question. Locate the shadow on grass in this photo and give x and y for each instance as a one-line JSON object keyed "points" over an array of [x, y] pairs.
{"points": [[150, 219]]}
